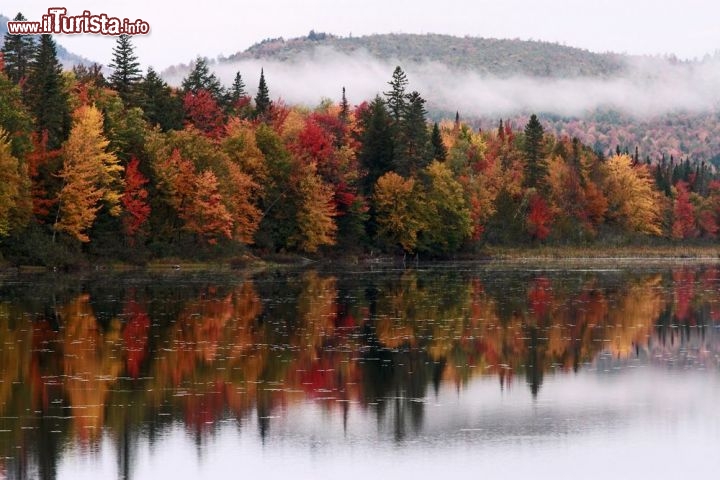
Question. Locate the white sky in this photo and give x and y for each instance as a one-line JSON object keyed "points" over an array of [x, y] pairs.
{"points": [[181, 30]]}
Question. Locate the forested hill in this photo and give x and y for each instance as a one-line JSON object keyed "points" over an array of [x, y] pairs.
{"points": [[68, 59], [500, 57]]}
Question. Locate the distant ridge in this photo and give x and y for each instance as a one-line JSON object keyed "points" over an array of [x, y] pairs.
{"points": [[68, 59], [499, 57]]}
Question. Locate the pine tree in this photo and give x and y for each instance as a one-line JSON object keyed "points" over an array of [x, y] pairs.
{"points": [[536, 165], [159, 105], [438, 147], [262, 99], [200, 78], [47, 97], [18, 52], [396, 96], [126, 74]]}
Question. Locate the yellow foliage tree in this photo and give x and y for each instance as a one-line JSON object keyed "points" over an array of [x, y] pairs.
{"points": [[397, 209], [316, 212], [633, 201], [15, 206], [90, 175]]}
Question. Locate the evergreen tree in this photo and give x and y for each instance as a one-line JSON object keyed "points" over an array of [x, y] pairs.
{"points": [[412, 145], [396, 96], [376, 150], [47, 97], [262, 99], [237, 91], [200, 78], [89, 75], [535, 164], [126, 70], [159, 105], [344, 107], [18, 52], [15, 117], [438, 147]]}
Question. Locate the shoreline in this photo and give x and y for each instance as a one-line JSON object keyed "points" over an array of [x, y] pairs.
{"points": [[488, 255]]}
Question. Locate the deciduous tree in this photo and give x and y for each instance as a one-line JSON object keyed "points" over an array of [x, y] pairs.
{"points": [[90, 175]]}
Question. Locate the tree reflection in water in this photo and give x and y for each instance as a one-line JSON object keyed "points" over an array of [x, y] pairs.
{"points": [[84, 360]]}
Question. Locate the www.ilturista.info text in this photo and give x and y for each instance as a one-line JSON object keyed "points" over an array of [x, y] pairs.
{"points": [[57, 21]]}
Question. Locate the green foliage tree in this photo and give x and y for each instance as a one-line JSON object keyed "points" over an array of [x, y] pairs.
{"points": [[396, 97], [14, 117], [439, 150], [412, 150], [376, 143], [236, 92], [46, 93], [200, 78], [447, 221], [344, 108], [126, 71], [536, 168], [262, 99], [160, 106], [18, 54]]}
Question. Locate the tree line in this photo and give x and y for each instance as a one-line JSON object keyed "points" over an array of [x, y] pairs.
{"points": [[130, 168]]}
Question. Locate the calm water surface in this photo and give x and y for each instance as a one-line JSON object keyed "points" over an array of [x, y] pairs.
{"points": [[593, 372]]}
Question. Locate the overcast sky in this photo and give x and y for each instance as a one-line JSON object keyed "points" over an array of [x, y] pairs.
{"points": [[181, 30]]}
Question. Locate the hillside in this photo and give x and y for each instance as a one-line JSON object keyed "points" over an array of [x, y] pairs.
{"points": [[68, 59], [499, 57]]}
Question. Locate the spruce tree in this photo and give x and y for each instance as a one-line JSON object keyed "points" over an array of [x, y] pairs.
{"points": [[262, 99], [376, 140], [47, 97], [18, 52], [396, 96], [438, 147], [126, 70], [159, 105], [536, 169], [344, 107], [412, 143], [200, 78], [237, 91]]}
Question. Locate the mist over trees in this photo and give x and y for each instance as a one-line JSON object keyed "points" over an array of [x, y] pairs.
{"points": [[131, 168]]}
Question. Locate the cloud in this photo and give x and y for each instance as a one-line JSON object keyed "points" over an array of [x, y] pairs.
{"points": [[649, 86]]}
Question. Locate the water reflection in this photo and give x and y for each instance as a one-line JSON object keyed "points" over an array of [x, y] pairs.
{"points": [[86, 364]]}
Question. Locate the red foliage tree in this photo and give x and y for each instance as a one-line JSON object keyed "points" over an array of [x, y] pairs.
{"points": [[43, 165], [539, 218], [683, 213], [203, 112], [134, 200]]}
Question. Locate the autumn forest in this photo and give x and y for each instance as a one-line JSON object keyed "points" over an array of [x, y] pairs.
{"points": [[126, 167]]}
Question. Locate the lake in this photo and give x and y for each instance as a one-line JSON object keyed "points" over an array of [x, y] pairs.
{"points": [[492, 370]]}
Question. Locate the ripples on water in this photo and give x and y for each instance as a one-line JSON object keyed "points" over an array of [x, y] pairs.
{"points": [[502, 372]]}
